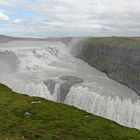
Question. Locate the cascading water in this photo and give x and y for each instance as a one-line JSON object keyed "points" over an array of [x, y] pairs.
{"points": [[47, 69]]}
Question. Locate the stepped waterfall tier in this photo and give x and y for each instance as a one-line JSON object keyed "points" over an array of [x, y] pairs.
{"points": [[47, 69]]}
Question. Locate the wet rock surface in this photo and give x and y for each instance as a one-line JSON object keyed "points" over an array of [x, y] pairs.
{"points": [[50, 83], [69, 81], [64, 84]]}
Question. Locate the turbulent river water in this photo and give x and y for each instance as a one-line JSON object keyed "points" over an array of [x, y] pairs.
{"points": [[47, 69]]}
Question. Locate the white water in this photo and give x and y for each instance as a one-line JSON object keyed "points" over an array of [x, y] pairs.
{"points": [[24, 66]]}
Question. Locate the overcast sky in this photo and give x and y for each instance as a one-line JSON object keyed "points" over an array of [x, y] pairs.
{"points": [[43, 18]]}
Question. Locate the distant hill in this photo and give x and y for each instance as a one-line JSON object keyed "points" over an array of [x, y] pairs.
{"points": [[4, 39]]}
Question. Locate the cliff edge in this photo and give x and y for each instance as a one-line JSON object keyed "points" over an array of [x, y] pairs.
{"points": [[118, 57]]}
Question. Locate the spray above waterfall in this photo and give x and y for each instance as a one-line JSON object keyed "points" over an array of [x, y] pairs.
{"points": [[75, 45], [7, 62]]}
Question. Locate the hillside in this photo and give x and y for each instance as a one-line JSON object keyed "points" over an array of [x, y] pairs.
{"points": [[33, 118], [118, 57]]}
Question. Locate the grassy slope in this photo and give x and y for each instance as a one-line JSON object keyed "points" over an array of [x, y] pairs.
{"points": [[129, 42], [53, 121]]}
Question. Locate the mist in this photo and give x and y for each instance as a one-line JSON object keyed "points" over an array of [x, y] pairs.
{"points": [[75, 45], [7, 62]]}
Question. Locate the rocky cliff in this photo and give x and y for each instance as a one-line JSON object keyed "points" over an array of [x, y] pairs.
{"points": [[118, 57]]}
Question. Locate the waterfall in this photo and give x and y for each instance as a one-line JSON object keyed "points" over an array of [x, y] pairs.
{"points": [[48, 70]]}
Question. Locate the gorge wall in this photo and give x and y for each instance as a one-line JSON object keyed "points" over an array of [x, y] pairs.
{"points": [[118, 57]]}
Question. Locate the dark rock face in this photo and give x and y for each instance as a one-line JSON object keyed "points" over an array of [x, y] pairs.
{"points": [[119, 63], [50, 83], [65, 87], [72, 79], [65, 83]]}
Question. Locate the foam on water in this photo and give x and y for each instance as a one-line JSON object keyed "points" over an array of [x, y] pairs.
{"points": [[25, 66]]}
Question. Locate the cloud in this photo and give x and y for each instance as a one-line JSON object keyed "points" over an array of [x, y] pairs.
{"points": [[17, 21], [75, 17], [3, 17]]}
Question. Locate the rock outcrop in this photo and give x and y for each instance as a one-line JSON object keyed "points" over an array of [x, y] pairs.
{"points": [[65, 87], [65, 83], [119, 61], [50, 83]]}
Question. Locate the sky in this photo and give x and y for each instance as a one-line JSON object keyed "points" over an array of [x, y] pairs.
{"points": [[51, 18]]}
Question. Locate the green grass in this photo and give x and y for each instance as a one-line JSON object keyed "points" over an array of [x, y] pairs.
{"points": [[129, 42], [53, 121]]}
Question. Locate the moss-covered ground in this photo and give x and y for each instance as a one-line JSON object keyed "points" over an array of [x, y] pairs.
{"points": [[22, 118], [129, 42]]}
